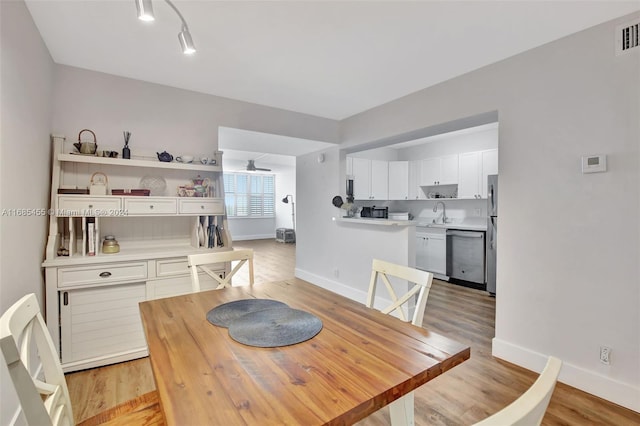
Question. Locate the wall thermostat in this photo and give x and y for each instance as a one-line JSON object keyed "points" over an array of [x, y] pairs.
{"points": [[594, 163]]}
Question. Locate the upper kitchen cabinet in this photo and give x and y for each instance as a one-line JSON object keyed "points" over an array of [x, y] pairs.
{"points": [[415, 192], [399, 180], [440, 171], [370, 179], [474, 169]]}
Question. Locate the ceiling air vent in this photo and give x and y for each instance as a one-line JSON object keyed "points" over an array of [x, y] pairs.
{"points": [[627, 37]]}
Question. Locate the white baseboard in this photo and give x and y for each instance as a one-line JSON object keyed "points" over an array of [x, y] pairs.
{"points": [[254, 237], [596, 384], [345, 290], [334, 286]]}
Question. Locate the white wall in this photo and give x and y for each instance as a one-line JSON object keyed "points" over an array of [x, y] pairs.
{"points": [[164, 118], [568, 270], [26, 85], [453, 143]]}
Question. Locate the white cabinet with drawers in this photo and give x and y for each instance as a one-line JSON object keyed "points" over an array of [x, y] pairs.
{"points": [[92, 297]]}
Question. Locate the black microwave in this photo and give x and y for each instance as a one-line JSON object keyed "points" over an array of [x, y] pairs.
{"points": [[375, 212]]}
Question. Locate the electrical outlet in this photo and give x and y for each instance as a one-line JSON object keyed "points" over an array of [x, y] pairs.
{"points": [[336, 273], [477, 212], [605, 355]]}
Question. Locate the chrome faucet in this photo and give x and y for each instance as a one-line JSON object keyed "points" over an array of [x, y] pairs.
{"points": [[444, 211]]}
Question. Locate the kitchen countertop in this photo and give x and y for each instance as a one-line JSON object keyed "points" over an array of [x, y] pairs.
{"points": [[373, 221], [468, 224]]}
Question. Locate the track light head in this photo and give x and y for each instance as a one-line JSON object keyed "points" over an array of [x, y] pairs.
{"points": [[145, 10], [145, 13], [186, 42]]}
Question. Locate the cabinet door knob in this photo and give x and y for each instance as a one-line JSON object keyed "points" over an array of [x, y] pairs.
{"points": [[90, 206], [151, 206], [105, 274], [202, 207]]}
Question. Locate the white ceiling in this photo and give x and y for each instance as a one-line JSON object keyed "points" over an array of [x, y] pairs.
{"points": [[241, 145], [332, 59]]}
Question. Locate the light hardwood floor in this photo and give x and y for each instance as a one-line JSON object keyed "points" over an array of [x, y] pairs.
{"points": [[468, 393]]}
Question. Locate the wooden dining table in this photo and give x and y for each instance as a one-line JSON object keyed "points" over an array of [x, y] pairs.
{"points": [[359, 362]]}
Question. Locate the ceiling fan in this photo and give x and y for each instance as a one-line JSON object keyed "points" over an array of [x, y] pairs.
{"points": [[251, 167]]}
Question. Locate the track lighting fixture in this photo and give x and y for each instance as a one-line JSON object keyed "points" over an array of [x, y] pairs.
{"points": [[145, 10], [145, 13]]}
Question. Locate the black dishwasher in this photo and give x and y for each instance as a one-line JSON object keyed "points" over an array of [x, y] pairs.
{"points": [[465, 256]]}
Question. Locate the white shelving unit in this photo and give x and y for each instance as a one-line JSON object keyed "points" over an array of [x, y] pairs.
{"points": [[92, 300]]}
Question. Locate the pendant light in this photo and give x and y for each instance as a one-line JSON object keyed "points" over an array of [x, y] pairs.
{"points": [[145, 13]]}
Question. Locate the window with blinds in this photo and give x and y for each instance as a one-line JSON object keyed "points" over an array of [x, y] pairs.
{"points": [[249, 194]]}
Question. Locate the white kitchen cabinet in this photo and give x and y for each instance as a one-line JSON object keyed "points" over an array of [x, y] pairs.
{"points": [[470, 173], [379, 180], [474, 169], [100, 322], [370, 179], [415, 192], [431, 250], [92, 300], [361, 178], [398, 180], [440, 171]]}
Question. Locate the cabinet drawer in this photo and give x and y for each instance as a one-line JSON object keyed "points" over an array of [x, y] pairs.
{"points": [[88, 206], [180, 266], [209, 206], [168, 287], [99, 274], [150, 206], [172, 267]]}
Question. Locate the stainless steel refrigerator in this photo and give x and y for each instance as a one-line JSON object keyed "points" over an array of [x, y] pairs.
{"points": [[492, 231]]}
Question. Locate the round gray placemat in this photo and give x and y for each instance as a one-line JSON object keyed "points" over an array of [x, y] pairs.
{"points": [[275, 327], [223, 315]]}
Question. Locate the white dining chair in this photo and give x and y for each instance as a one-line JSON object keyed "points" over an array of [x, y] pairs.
{"points": [[402, 409], [203, 261], [530, 407], [27, 347], [421, 281]]}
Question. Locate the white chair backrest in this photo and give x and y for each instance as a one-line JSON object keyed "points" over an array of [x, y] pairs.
{"points": [[421, 280], [24, 339], [529, 408], [202, 261]]}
